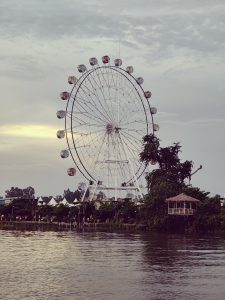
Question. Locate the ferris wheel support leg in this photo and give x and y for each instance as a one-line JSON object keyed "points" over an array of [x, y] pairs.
{"points": [[132, 169], [85, 191], [92, 196]]}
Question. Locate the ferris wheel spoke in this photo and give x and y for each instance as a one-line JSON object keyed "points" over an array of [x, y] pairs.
{"points": [[133, 158], [90, 155], [83, 146], [89, 124], [123, 167], [90, 138], [99, 114], [122, 163], [114, 97], [91, 108], [86, 119], [134, 144], [135, 123], [94, 106], [86, 134], [139, 132], [107, 98], [93, 164], [107, 83], [135, 130], [122, 93], [98, 85], [131, 167], [132, 137], [128, 115], [132, 149], [132, 122], [90, 115], [77, 122], [133, 103], [77, 119]]}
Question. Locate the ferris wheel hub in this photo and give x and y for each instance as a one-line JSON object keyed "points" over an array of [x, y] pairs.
{"points": [[112, 128]]}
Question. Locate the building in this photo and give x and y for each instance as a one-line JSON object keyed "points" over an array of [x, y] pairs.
{"points": [[222, 202], [2, 201], [182, 204], [8, 200]]}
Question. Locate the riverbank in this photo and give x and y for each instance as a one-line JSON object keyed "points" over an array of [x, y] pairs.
{"points": [[63, 226]]}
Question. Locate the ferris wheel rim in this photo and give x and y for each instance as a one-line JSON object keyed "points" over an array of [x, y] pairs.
{"points": [[78, 85], [65, 124]]}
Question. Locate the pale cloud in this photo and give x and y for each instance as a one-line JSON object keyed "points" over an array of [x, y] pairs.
{"points": [[195, 123], [162, 26], [29, 131]]}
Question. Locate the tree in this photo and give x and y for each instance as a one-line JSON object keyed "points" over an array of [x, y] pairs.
{"points": [[58, 198], [100, 196], [171, 169], [209, 215], [77, 194], [151, 146], [20, 208], [61, 212], [106, 211], [195, 192], [45, 211], [27, 193], [168, 180], [69, 195], [14, 192], [127, 210]]}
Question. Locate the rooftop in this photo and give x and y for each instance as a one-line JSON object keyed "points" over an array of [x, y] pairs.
{"points": [[182, 197]]}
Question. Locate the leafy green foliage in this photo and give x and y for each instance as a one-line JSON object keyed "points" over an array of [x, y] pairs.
{"points": [[106, 212], [69, 195], [27, 193], [208, 216], [61, 212], [169, 180], [171, 169], [195, 192], [19, 207], [151, 146]]}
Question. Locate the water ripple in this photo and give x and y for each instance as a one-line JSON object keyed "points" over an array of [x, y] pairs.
{"points": [[101, 265]]}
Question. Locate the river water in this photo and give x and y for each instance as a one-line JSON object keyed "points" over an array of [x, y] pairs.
{"points": [[105, 266]]}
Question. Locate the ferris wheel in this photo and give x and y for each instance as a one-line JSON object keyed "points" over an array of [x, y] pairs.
{"points": [[106, 116]]}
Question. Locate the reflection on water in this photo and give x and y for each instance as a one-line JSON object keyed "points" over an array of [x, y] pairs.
{"points": [[98, 265], [181, 267]]}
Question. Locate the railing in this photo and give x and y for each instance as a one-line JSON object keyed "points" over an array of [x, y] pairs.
{"points": [[181, 211]]}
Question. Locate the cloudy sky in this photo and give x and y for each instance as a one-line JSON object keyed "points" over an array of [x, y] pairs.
{"points": [[177, 46]]}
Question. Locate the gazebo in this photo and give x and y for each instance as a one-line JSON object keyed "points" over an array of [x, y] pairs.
{"points": [[182, 204]]}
